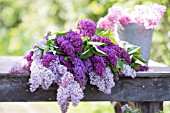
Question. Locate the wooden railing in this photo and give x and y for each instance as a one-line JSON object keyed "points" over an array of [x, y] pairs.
{"points": [[149, 89]]}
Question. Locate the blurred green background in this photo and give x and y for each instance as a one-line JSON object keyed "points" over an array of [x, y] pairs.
{"points": [[23, 21]]}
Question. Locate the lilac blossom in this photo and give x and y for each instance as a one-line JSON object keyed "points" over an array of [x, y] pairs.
{"points": [[40, 76], [79, 71], [65, 62], [126, 107], [71, 43], [20, 66], [128, 71], [122, 53], [99, 64], [89, 66], [105, 82], [149, 16], [102, 39], [142, 68], [29, 58], [65, 92], [47, 58], [112, 57], [86, 27]]}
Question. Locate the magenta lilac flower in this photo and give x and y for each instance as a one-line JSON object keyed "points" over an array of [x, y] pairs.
{"points": [[86, 27]]}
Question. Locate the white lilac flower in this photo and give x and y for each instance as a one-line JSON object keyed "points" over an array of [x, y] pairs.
{"points": [[128, 71], [104, 82]]}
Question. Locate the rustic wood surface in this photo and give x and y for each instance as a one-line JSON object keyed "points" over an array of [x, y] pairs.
{"points": [[153, 85]]}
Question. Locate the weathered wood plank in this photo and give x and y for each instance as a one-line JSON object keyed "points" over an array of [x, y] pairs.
{"points": [[152, 85], [126, 89]]}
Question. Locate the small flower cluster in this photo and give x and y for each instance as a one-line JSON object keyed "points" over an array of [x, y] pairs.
{"points": [[70, 59], [149, 16]]}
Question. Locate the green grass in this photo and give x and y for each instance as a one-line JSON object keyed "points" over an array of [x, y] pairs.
{"points": [[53, 107]]}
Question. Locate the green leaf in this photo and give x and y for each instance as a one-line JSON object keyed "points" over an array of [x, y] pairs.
{"points": [[42, 47], [97, 43], [85, 38], [115, 69], [61, 33], [49, 32], [97, 51], [139, 58], [112, 39], [66, 58], [139, 62], [134, 50], [134, 66], [46, 50], [86, 54], [119, 63], [106, 33]]}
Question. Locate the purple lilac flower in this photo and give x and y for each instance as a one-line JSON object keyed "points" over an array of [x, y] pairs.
{"points": [[70, 43], [104, 82], [112, 58], [47, 58], [89, 66], [126, 107], [86, 27], [128, 71], [20, 66], [99, 64], [122, 53], [142, 68], [75, 39], [79, 71], [65, 92], [102, 39], [65, 63]]}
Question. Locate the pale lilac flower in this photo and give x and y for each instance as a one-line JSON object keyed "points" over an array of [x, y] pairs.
{"points": [[40, 76], [126, 107], [69, 89], [20, 66], [105, 82], [128, 71]]}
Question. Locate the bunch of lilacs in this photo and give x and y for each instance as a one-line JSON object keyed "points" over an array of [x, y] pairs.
{"points": [[149, 16], [70, 59]]}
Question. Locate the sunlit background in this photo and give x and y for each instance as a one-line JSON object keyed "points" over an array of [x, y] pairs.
{"points": [[23, 21]]}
